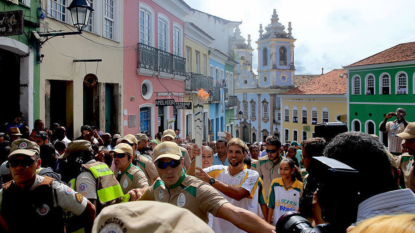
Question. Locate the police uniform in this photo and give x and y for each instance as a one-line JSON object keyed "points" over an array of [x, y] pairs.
{"points": [[131, 178], [41, 205], [189, 192], [186, 156], [268, 171]]}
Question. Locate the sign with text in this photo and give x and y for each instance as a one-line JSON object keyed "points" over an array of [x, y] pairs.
{"points": [[183, 105], [11, 23], [165, 102]]}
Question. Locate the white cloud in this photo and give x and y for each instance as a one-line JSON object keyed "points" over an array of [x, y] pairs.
{"points": [[329, 33]]}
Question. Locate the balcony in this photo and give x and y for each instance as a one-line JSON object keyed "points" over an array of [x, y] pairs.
{"points": [[151, 60], [215, 95], [195, 82], [232, 102]]}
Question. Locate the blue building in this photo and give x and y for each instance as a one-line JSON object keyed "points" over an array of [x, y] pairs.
{"points": [[258, 98]]}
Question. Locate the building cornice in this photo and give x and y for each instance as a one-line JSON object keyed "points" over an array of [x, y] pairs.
{"points": [[218, 56], [274, 39], [383, 65], [176, 7], [341, 96], [193, 32]]}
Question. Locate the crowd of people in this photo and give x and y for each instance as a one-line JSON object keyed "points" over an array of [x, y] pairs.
{"points": [[108, 183]]}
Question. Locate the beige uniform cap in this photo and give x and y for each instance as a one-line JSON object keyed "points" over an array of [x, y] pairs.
{"points": [[409, 132], [123, 148], [148, 216], [167, 150], [24, 147], [141, 136], [77, 145], [169, 133], [130, 139]]}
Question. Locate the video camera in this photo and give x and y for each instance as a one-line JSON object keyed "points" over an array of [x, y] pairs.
{"points": [[337, 194]]}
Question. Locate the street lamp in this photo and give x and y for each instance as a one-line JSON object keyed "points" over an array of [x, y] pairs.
{"points": [[240, 113], [80, 11]]}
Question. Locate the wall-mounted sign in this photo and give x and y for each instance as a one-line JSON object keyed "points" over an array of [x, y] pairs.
{"points": [[165, 102], [11, 23], [183, 105], [306, 128]]}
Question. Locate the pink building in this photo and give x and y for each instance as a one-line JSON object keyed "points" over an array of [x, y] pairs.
{"points": [[154, 67]]}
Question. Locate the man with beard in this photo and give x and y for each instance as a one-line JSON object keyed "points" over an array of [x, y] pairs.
{"points": [[235, 182], [268, 166]]}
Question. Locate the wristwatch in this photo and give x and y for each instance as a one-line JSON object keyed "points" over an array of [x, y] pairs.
{"points": [[212, 181]]}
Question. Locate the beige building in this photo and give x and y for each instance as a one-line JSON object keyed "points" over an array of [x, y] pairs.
{"points": [[81, 76]]}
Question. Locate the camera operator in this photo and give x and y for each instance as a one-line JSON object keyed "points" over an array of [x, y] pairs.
{"points": [[393, 128], [312, 147], [377, 183]]}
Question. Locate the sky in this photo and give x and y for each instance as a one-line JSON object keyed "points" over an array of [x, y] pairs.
{"points": [[330, 33]]}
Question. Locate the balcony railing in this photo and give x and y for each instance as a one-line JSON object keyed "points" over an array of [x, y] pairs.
{"points": [[195, 82], [232, 101], [151, 58], [215, 95]]}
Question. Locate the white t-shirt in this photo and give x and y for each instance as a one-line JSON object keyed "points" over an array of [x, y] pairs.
{"points": [[247, 179]]}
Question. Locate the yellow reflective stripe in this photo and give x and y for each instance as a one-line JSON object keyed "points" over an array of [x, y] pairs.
{"points": [[72, 183], [110, 193], [126, 198], [100, 170], [82, 230]]}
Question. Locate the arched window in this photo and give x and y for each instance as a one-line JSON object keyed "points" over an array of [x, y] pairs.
{"points": [[402, 83], [385, 84], [370, 127], [242, 58], [356, 85], [283, 56], [370, 85], [265, 57], [356, 125]]}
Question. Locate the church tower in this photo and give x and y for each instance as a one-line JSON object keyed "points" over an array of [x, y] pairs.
{"points": [[276, 55], [243, 55]]}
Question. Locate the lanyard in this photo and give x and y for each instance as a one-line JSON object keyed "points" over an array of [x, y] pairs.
{"points": [[396, 126]]}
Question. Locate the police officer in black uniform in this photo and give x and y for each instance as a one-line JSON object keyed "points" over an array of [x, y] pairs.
{"points": [[31, 201]]}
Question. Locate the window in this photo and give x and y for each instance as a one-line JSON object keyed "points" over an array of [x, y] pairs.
{"points": [[356, 125], [325, 116], [402, 84], [385, 84], [253, 109], [370, 85], [283, 56], [245, 103], [356, 85], [221, 79], [265, 110], [217, 77], [305, 136], [188, 59], [286, 115], [197, 62], [176, 41], [89, 27], [314, 117], [278, 116], [211, 72], [295, 116], [264, 57], [162, 35], [109, 18], [286, 134], [145, 27], [304, 116], [295, 135], [204, 65], [370, 127], [58, 9], [238, 109]]}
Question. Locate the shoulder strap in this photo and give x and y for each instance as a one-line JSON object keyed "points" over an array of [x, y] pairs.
{"points": [[7, 185], [46, 181]]}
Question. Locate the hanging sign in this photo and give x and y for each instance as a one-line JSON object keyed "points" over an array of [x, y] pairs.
{"points": [[183, 105], [165, 102], [11, 23]]}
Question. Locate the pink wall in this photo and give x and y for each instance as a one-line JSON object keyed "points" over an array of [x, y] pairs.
{"points": [[133, 81]]}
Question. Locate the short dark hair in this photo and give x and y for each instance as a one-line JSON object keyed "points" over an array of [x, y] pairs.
{"points": [[314, 146], [60, 146], [252, 147], [247, 161], [273, 141], [42, 134], [47, 155], [222, 140], [85, 127], [367, 155]]}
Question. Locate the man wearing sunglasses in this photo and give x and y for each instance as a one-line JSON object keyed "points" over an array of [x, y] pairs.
{"points": [[131, 178], [170, 136], [200, 198], [269, 165], [145, 164], [30, 200]]}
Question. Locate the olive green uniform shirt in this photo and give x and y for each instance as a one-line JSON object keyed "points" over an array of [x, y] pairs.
{"points": [[267, 170], [132, 178]]}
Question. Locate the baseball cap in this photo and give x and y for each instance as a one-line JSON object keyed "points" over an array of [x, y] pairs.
{"points": [[123, 148], [294, 143], [14, 131], [153, 141], [409, 132], [24, 147], [148, 216], [167, 150], [169, 133], [4, 170], [130, 139], [116, 136], [141, 136], [77, 145]]}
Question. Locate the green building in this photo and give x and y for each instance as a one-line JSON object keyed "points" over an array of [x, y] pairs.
{"points": [[19, 66], [380, 84], [231, 99]]}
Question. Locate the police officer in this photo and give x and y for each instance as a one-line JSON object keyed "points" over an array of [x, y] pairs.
{"points": [[93, 179], [170, 136], [31, 202]]}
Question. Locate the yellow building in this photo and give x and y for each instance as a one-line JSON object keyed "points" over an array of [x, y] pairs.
{"points": [[320, 100], [96, 57], [197, 62]]}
